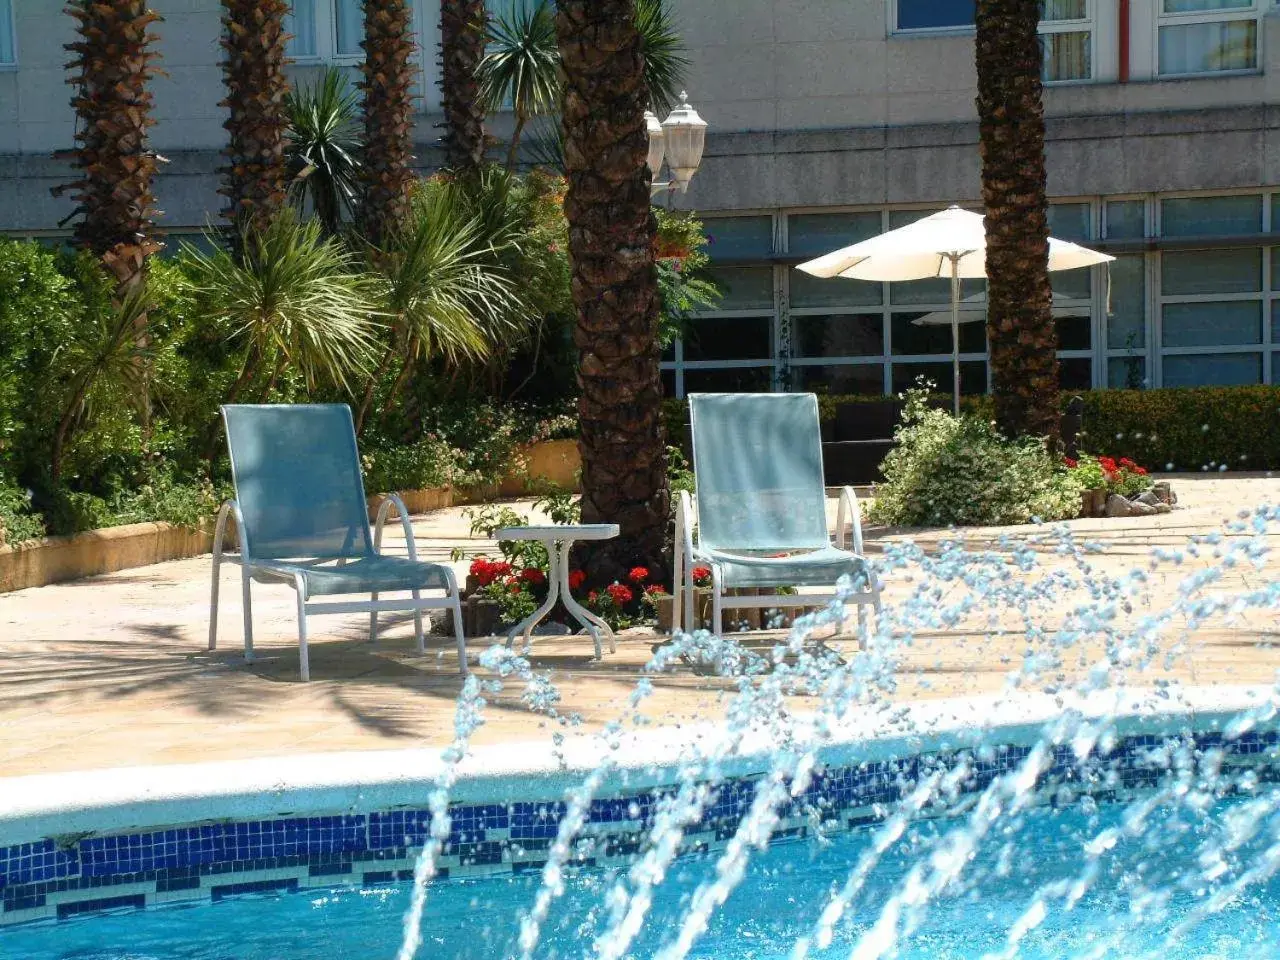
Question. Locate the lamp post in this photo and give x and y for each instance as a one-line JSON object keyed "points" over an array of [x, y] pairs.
{"points": [[679, 140]]}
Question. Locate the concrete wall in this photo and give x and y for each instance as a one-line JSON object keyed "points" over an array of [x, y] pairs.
{"points": [[811, 102]]}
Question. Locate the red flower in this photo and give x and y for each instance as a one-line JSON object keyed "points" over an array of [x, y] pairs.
{"points": [[514, 586], [655, 590], [592, 597], [533, 575], [638, 574], [1126, 462], [1140, 471], [620, 593], [576, 579], [701, 575], [1071, 464], [1107, 464], [483, 569]]}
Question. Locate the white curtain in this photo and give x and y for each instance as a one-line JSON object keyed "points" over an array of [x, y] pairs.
{"points": [[1203, 6], [301, 22], [1209, 47], [350, 28], [6, 31], [1066, 56]]}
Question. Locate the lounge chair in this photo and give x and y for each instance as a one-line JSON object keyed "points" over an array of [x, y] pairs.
{"points": [[761, 516], [302, 519]]}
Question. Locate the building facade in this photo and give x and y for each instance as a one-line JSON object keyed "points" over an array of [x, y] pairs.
{"points": [[832, 120]]}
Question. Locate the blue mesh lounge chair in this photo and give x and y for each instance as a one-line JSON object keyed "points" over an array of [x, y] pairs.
{"points": [[761, 517], [302, 519]]}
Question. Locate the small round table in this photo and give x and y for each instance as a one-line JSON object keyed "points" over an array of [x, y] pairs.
{"points": [[559, 539]]}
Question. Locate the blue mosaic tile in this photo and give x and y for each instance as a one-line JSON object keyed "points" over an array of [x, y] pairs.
{"points": [[36, 862]]}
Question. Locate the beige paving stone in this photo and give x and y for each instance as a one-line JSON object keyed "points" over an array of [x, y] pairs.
{"points": [[114, 670]]}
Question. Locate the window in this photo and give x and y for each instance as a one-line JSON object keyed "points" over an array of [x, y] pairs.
{"points": [[934, 14], [1067, 36], [1208, 36], [325, 29], [8, 49]]}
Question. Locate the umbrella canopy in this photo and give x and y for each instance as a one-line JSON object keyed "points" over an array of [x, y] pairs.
{"points": [[952, 243], [973, 308], [928, 247]]}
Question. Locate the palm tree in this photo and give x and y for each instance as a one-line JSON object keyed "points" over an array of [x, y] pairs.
{"points": [[255, 177], [387, 82], [1020, 330], [293, 299], [113, 67], [615, 291], [462, 28], [323, 149], [448, 295], [521, 67]]}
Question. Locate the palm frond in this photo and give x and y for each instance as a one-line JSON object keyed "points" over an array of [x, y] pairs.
{"points": [[295, 297], [663, 50], [520, 69], [323, 148], [546, 146]]}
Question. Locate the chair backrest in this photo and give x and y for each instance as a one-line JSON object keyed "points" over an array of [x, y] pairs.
{"points": [[297, 475], [757, 460]]}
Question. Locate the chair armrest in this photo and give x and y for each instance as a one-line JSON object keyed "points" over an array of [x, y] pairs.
{"points": [[686, 520], [393, 500], [848, 510], [229, 509]]}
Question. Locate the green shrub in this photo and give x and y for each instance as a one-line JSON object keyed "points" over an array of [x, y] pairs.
{"points": [[18, 522], [426, 464], [948, 470]]}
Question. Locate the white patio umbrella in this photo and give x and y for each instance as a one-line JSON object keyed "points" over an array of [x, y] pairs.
{"points": [[950, 243], [974, 307]]}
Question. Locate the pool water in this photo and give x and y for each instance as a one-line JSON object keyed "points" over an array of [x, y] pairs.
{"points": [[1144, 887]]}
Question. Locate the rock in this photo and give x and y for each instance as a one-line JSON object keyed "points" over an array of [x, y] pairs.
{"points": [[1163, 492], [1148, 498], [1140, 509], [550, 628], [1118, 506], [1163, 508]]}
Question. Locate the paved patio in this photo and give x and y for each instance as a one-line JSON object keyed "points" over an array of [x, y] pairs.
{"points": [[113, 671]]}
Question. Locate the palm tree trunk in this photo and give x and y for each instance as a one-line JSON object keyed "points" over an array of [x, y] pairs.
{"points": [[1020, 330], [513, 151], [615, 285], [462, 24], [255, 177], [388, 115], [367, 400]]}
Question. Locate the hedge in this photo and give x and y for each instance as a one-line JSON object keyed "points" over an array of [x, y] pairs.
{"points": [[1182, 429]]}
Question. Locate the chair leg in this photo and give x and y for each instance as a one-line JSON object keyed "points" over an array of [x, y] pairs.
{"points": [[304, 661], [373, 618], [213, 602], [451, 590], [246, 600], [419, 640], [717, 611]]}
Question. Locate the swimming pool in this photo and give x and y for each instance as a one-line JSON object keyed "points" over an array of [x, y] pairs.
{"points": [[1144, 888]]}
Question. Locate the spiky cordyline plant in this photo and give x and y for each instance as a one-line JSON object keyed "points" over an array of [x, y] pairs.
{"points": [[323, 148], [387, 83], [255, 177], [521, 67], [293, 299], [113, 67]]}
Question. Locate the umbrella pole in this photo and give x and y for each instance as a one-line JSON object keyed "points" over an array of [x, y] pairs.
{"points": [[955, 332]]}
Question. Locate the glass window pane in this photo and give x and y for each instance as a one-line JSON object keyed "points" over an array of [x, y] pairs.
{"points": [[1204, 6], [935, 291], [669, 388], [807, 291], [911, 338], [1126, 373], [1064, 9], [1069, 221], [973, 376], [729, 338], [1275, 321], [1202, 216], [923, 14], [744, 288], [1125, 219], [732, 380], [855, 335], [6, 32], [813, 234], [1209, 47], [1212, 324], [1205, 370], [1127, 303], [1075, 330], [1067, 56], [1190, 272], [1071, 284], [1275, 268], [739, 238], [846, 378], [350, 28], [301, 23], [1075, 373], [1275, 368]]}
